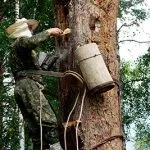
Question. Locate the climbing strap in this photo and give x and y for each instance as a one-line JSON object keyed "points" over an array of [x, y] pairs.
{"points": [[67, 74], [39, 72]]}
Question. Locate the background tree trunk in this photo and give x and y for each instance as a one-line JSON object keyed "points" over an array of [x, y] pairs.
{"points": [[92, 21], [1, 105]]}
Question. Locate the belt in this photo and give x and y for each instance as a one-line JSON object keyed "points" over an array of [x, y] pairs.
{"points": [[29, 73]]}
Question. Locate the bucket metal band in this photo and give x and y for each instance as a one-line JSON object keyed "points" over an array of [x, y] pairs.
{"points": [[89, 58]]}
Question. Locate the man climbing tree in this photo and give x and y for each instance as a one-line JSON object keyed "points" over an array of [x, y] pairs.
{"points": [[28, 89], [92, 21]]}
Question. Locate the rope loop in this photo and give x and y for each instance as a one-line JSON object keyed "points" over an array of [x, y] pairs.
{"points": [[78, 121]]}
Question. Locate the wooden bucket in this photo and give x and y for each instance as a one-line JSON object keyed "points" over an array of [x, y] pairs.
{"points": [[93, 68]]}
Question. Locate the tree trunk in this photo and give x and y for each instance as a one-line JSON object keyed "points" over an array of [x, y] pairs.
{"points": [[1, 85], [1, 105], [16, 9], [92, 21]]}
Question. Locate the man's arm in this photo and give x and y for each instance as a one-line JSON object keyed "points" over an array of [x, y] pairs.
{"points": [[32, 42]]}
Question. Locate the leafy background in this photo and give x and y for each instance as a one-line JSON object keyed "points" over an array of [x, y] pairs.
{"points": [[135, 76]]}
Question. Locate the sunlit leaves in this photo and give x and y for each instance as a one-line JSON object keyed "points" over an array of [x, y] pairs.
{"points": [[132, 10], [142, 137], [139, 13], [135, 94]]}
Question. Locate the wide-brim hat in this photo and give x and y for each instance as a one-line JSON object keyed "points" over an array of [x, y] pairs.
{"points": [[32, 24]]}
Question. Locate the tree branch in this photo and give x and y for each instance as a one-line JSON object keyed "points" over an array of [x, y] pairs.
{"points": [[134, 41], [136, 80], [125, 25]]}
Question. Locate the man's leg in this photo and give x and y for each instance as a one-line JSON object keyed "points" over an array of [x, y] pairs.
{"points": [[28, 96]]}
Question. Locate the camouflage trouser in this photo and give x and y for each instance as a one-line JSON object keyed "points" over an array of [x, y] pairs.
{"points": [[27, 95]]}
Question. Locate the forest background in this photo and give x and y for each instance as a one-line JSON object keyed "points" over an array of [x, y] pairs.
{"points": [[135, 75]]}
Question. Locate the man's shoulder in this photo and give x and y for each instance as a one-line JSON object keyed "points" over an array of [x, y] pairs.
{"points": [[16, 42], [20, 42]]}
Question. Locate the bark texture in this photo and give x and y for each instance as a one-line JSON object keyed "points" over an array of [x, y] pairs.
{"points": [[92, 21]]}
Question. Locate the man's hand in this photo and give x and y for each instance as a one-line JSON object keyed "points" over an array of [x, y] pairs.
{"points": [[55, 32]]}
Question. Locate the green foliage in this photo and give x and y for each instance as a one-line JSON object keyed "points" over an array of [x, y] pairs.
{"points": [[10, 123], [51, 93], [136, 98], [132, 8], [4, 44], [135, 78], [39, 10], [139, 13], [142, 137], [6, 9], [43, 12]]}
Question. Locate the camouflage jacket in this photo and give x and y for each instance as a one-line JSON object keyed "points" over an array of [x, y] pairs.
{"points": [[22, 56]]}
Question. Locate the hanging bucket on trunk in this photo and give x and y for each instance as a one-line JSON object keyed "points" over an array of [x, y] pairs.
{"points": [[93, 68]]}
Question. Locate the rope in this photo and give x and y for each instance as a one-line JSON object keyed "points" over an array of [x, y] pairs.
{"points": [[78, 121], [65, 143], [59, 75], [76, 75], [41, 129], [81, 109]]}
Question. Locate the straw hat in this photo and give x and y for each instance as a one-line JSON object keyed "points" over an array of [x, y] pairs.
{"points": [[22, 28]]}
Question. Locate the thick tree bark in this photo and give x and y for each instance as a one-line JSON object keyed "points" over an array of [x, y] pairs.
{"points": [[92, 21]]}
